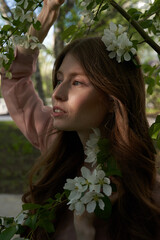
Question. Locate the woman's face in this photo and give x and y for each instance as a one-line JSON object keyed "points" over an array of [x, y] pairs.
{"points": [[77, 105]]}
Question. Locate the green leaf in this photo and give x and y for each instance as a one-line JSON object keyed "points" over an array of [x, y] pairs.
{"points": [[96, 18], [154, 130], [103, 145], [30, 206], [8, 233], [6, 28], [134, 13], [112, 168], [158, 119], [104, 7], [157, 143], [50, 201], [150, 89], [7, 221], [19, 238], [104, 214], [98, 1], [31, 221], [37, 25], [90, 5], [146, 24], [67, 192], [45, 224], [69, 31], [151, 83]]}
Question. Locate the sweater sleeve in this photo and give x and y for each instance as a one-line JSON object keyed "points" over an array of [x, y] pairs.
{"points": [[23, 103]]}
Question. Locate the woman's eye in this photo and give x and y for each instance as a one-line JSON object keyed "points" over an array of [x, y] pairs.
{"points": [[76, 83], [58, 82]]}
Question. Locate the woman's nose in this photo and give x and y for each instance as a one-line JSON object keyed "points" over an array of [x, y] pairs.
{"points": [[60, 93]]}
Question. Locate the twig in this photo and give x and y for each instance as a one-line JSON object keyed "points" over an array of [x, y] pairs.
{"points": [[136, 25]]}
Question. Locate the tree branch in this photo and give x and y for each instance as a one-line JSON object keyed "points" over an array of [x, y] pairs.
{"points": [[136, 25], [149, 15]]}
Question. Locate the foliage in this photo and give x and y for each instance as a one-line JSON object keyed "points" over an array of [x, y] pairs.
{"points": [[15, 32], [33, 216], [17, 162], [142, 27]]}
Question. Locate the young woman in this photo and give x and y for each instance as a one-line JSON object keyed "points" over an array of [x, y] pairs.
{"points": [[90, 91]]}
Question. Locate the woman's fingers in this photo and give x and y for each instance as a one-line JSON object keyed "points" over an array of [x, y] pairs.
{"points": [[117, 181], [84, 226], [53, 4]]}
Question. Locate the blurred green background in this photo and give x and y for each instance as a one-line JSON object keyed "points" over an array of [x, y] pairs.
{"points": [[17, 156]]}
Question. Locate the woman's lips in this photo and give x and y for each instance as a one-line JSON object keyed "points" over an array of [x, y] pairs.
{"points": [[57, 111]]}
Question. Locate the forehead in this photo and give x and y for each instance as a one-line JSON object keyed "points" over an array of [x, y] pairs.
{"points": [[69, 65]]}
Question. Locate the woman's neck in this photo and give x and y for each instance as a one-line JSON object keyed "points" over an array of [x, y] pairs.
{"points": [[84, 135]]}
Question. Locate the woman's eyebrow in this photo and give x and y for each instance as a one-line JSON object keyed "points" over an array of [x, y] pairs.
{"points": [[72, 74]]}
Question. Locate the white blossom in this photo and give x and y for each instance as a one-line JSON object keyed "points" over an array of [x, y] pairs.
{"points": [[18, 12], [27, 41], [117, 42], [76, 186], [97, 180], [89, 189], [88, 15], [78, 206], [103, 183], [29, 16], [25, 2], [91, 148], [90, 178], [3, 59], [91, 199]]}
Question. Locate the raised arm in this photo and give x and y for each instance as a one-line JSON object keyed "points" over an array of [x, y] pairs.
{"points": [[24, 104], [47, 17]]}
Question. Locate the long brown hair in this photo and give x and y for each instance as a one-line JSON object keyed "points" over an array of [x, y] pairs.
{"points": [[135, 215]]}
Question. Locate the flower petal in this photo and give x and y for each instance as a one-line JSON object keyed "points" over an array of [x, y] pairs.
{"points": [[101, 204], [107, 190], [127, 56], [91, 206], [113, 27], [80, 208], [85, 172]]}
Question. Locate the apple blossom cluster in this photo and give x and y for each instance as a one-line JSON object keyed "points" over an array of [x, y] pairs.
{"points": [[27, 41], [88, 190], [117, 42], [11, 35], [88, 15]]}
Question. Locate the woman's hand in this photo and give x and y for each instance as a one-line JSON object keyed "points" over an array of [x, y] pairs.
{"points": [[84, 226], [117, 181], [53, 4], [47, 17]]}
